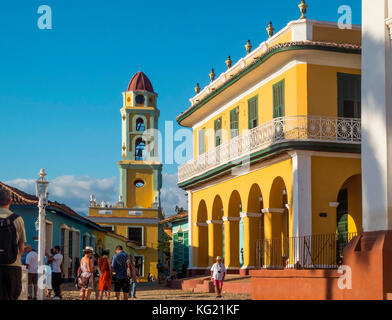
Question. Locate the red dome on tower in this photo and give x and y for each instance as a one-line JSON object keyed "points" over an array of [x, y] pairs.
{"points": [[140, 82]]}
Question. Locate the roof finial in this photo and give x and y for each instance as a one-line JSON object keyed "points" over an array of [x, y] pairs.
{"points": [[270, 30], [139, 68], [197, 88], [229, 62], [212, 74], [248, 47], [302, 8]]}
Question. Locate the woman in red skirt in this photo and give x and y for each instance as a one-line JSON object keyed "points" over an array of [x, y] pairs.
{"points": [[105, 279]]}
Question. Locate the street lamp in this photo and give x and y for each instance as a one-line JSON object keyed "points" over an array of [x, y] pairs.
{"points": [[41, 187]]}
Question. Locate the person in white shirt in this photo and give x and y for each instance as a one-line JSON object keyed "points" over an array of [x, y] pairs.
{"points": [[57, 271], [218, 273], [32, 268]]}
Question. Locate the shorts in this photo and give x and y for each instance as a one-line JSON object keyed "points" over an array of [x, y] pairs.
{"points": [[33, 278], [121, 285], [218, 283]]}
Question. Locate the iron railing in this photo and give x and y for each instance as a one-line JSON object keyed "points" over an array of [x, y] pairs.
{"points": [[323, 251], [278, 130]]}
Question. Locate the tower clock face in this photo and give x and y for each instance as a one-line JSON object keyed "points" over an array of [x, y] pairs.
{"points": [[139, 99], [139, 183]]}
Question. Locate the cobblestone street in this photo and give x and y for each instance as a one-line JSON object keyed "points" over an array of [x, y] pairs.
{"points": [[154, 291]]}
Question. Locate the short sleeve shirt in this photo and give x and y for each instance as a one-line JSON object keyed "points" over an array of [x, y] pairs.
{"points": [[32, 262], [20, 232], [56, 263], [119, 265], [217, 271]]}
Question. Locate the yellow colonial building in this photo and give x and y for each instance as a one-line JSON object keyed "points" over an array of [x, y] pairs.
{"points": [[275, 178], [137, 213]]}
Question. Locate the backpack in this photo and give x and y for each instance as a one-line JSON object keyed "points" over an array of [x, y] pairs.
{"points": [[8, 246]]}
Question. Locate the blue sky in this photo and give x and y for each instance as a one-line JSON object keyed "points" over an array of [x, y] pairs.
{"points": [[60, 89]]}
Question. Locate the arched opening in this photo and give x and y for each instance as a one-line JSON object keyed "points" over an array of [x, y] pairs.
{"points": [[278, 200], [216, 230], [233, 236], [139, 99], [140, 125], [202, 233], [253, 226], [140, 149], [277, 226], [348, 212]]}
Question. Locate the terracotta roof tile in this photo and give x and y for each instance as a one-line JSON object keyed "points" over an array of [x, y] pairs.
{"points": [[175, 217], [20, 198]]}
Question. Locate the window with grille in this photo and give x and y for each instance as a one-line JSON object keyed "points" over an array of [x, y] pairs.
{"points": [[253, 113], [278, 97], [218, 131], [234, 122], [135, 235], [202, 141], [140, 125], [349, 95]]}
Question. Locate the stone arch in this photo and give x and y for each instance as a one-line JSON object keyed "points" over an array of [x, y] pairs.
{"points": [[202, 234], [253, 224], [215, 230], [276, 225], [277, 201], [348, 211], [232, 230]]}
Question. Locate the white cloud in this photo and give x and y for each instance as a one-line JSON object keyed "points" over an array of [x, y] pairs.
{"points": [[172, 195], [75, 191]]}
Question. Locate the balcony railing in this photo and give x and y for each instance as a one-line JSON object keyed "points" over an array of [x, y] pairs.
{"points": [[323, 251], [278, 130]]}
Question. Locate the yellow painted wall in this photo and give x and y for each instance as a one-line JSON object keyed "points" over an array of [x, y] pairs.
{"points": [[328, 34], [150, 253], [295, 103], [265, 178], [140, 197], [121, 213], [100, 237], [322, 90], [328, 177], [286, 37]]}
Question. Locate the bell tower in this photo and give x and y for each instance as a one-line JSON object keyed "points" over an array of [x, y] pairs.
{"points": [[140, 170]]}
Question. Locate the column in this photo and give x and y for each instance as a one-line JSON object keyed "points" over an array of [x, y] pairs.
{"points": [[302, 193], [251, 234], [190, 228], [272, 245], [376, 115], [231, 226], [215, 234], [123, 184]]}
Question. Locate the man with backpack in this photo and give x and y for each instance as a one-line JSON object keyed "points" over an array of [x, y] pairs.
{"points": [[12, 239]]}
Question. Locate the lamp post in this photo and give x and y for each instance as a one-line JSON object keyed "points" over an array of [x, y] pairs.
{"points": [[41, 187]]}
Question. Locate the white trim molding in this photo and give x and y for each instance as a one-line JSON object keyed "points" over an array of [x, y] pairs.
{"points": [[201, 224], [214, 221], [124, 220], [231, 218], [334, 204], [302, 193], [250, 215], [190, 240], [273, 210]]}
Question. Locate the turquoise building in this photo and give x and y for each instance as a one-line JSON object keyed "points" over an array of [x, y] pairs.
{"points": [[179, 256], [64, 227]]}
